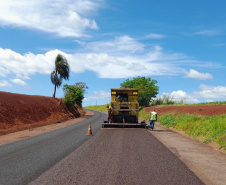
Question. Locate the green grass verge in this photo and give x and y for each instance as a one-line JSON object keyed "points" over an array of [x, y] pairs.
{"points": [[101, 108], [210, 128]]}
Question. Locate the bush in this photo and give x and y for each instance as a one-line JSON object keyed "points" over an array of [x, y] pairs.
{"points": [[164, 100], [72, 95]]}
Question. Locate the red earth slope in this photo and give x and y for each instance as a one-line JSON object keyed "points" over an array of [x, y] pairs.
{"points": [[205, 110], [18, 111]]}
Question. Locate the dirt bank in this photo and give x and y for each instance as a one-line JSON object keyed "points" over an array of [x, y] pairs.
{"points": [[19, 112], [205, 110]]}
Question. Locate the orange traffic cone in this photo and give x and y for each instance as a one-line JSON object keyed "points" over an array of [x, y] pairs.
{"points": [[89, 130]]}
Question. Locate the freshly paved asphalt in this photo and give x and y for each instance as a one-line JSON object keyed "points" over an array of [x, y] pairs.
{"points": [[120, 156], [23, 161]]}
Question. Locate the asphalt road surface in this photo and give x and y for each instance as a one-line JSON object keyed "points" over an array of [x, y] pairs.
{"points": [[23, 161], [120, 156]]}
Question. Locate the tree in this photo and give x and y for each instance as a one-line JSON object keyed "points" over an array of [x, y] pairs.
{"points": [[60, 72], [82, 86], [72, 95], [146, 86]]}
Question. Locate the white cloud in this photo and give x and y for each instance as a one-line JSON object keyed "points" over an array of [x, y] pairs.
{"points": [[102, 94], [3, 70], [197, 75], [27, 64], [62, 17], [207, 32], [99, 95], [122, 57], [154, 36], [211, 92], [110, 66], [181, 95], [19, 82], [21, 76], [118, 45], [4, 83], [206, 93]]}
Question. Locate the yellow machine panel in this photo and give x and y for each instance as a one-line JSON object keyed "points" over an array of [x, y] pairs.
{"points": [[125, 105]]}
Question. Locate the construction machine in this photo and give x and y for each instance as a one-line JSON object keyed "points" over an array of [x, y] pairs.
{"points": [[123, 110]]}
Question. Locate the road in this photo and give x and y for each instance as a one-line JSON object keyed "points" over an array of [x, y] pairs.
{"points": [[111, 156], [23, 161], [120, 156]]}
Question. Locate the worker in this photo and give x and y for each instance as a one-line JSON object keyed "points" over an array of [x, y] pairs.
{"points": [[110, 113], [152, 119], [118, 98]]}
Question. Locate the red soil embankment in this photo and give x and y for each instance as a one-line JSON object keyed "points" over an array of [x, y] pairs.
{"points": [[19, 111], [205, 110]]}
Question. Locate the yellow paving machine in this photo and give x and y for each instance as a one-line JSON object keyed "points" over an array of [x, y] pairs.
{"points": [[124, 109]]}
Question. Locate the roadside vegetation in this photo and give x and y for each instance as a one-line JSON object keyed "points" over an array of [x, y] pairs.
{"points": [[72, 95], [164, 100], [207, 128], [102, 108]]}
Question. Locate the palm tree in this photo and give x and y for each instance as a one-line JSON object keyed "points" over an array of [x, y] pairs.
{"points": [[60, 72]]}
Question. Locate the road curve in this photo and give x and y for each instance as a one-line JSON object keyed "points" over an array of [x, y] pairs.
{"points": [[25, 160], [120, 156]]}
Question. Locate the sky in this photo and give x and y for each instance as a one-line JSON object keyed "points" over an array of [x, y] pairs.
{"points": [[179, 43]]}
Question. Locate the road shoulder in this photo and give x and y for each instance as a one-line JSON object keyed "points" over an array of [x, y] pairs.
{"points": [[206, 162]]}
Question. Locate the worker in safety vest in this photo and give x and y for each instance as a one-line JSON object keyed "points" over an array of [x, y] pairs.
{"points": [[152, 119], [110, 113]]}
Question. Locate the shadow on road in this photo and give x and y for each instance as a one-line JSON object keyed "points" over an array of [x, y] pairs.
{"points": [[168, 130]]}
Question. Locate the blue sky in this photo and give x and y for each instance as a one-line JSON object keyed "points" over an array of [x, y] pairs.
{"points": [[179, 43]]}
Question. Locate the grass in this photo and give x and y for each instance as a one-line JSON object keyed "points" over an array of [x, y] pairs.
{"points": [[102, 108], [210, 128]]}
